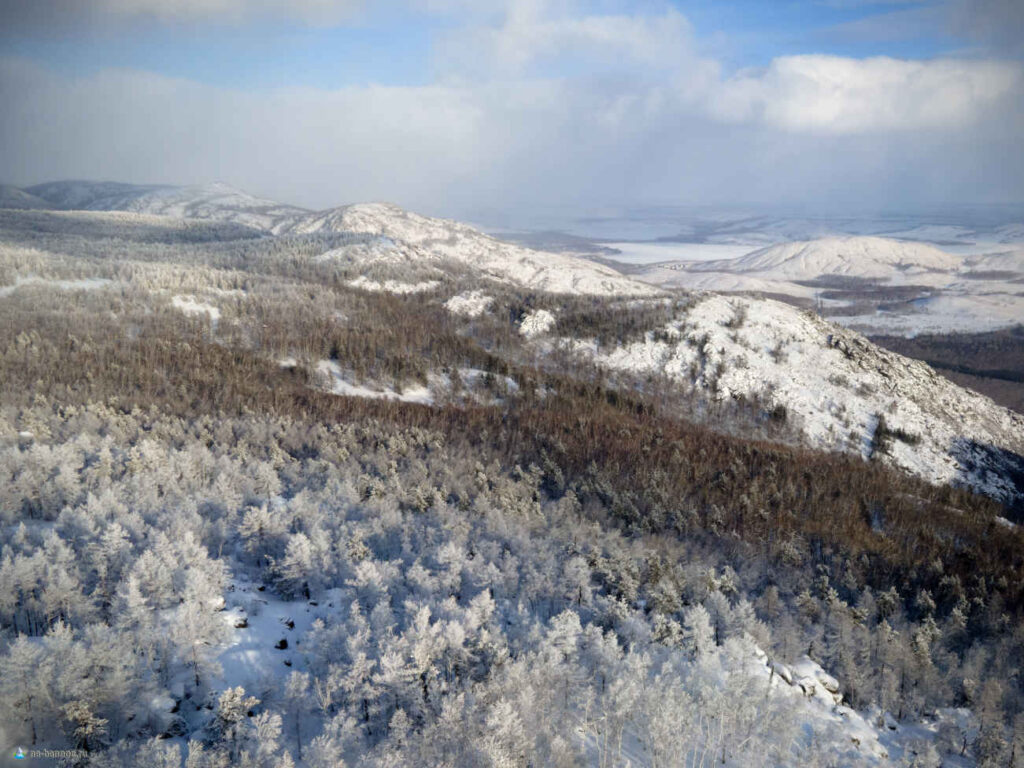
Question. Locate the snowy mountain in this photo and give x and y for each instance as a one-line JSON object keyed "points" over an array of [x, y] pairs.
{"points": [[407, 238], [843, 392], [862, 257], [216, 202], [398, 237], [91, 195]]}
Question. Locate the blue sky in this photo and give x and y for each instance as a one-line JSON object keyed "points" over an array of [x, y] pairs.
{"points": [[755, 31], [390, 50], [446, 104]]}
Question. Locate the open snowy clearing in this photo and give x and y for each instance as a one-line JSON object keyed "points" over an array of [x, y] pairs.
{"points": [[85, 284], [474, 385], [192, 307], [393, 286], [340, 385], [945, 314]]}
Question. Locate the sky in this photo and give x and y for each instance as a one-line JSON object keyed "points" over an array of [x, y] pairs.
{"points": [[452, 106]]}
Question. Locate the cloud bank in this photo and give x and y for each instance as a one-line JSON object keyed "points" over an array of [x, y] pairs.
{"points": [[539, 103], [837, 95]]}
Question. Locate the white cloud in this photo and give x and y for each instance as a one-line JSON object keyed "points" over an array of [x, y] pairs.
{"points": [[841, 95], [530, 36], [798, 93], [548, 105]]}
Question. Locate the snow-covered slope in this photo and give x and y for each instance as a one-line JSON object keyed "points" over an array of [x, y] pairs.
{"points": [[216, 202], [398, 236], [1010, 233], [1005, 261], [871, 284], [91, 195], [836, 385], [863, 257], [673, 276], [405, 237]]}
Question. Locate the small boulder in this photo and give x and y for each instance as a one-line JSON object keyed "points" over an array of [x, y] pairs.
{"points": [[808, 685], [782, 671], [828, 682]]}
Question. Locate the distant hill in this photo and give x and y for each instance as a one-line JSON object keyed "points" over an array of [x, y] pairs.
{"points": [[861, 257], [12, 197], [398, 236], [90, 195]]}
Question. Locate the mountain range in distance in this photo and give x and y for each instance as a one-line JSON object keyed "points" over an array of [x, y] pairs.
{"points": [[836, 385], [952, 274], [873, 284]]}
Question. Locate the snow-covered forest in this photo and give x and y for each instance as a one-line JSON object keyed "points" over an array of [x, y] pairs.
{"points": [[458, 543]]}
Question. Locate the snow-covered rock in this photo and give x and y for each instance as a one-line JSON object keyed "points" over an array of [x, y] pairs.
{"points": [[469, 304], [537, 322], [392, 286], [815, 681], [191, 306], [782, 671]]}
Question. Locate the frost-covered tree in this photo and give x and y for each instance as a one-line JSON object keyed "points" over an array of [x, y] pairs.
{"points": [[699, 635]]}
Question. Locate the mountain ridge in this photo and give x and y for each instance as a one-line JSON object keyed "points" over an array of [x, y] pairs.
{"points": [[403, 237], [724, 347]]}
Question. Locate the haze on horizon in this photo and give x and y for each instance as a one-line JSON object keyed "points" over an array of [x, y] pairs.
{"points": [[450, 106]]}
